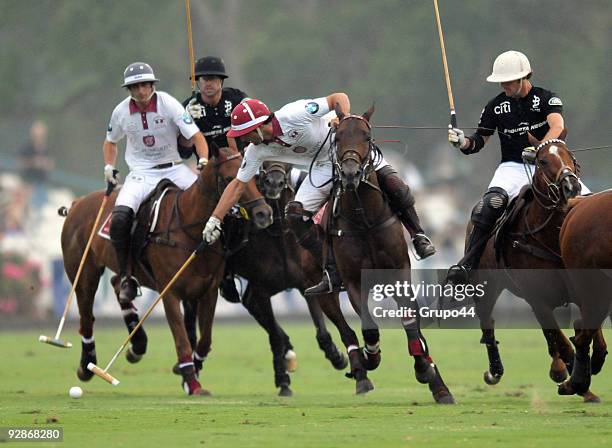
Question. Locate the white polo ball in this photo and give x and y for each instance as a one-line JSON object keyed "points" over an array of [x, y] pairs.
{"points": [[75, 392]]}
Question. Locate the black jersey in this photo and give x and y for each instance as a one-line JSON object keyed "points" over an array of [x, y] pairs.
{"points": [[514, 117], [216, 120]]}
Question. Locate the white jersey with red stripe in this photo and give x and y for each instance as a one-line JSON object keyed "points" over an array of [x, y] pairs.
{"points": [[151, 134], [304, 126]]}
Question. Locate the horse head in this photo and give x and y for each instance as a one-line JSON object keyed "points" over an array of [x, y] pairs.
{"points": [[273, 179], [226, 163], [353, 141], [556, 174]]}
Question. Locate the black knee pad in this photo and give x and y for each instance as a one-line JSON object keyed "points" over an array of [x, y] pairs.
{"points": [[489, 209], [295, 213], [121, 224]]}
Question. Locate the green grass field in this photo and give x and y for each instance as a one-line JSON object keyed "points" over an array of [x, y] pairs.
{"points": [[148, 408]]}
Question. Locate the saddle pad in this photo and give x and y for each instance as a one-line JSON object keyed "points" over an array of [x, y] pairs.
{"points": [[318, 217], [104, 231]]}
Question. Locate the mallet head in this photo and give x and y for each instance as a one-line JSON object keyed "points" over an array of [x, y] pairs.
{"points": [[102, 374], [55, 342]]}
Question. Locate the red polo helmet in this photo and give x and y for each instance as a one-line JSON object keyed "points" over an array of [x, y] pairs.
{"points": [[248, 116]]}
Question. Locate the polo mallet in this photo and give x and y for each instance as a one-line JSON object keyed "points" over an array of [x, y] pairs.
{"points": [[451, 102], [190, 44], [56, 341], [104, 373]]}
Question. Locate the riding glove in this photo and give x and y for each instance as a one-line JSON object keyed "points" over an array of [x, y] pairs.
{"points": [[212, 230], [195, 109], [202, 161], [111, 175], [456, 137]]}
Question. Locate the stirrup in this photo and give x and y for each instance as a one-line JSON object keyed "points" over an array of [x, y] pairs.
{"points": [[423, 246], [325, 286], [129, 289]]}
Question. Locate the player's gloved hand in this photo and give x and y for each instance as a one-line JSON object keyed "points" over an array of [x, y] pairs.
{"points": [[212, 230], [456, 137], [195, 109], [529, 155], [111, 175], [202, 162]]}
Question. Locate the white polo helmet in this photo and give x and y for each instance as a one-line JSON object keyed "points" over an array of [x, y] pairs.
{"points": [[510, 66]]}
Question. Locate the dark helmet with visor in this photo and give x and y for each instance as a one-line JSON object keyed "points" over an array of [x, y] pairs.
{"points": [[210, 66]]}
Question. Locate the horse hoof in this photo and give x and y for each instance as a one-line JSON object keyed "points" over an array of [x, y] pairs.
{"points": [[363, 386], [285, 391], [84, 374], [444, 397], [426, 376], [491, 379], [565, 388], [132, 357], [340, 362], [590, 397], [176, 369], [291, 363], [558, 376]]}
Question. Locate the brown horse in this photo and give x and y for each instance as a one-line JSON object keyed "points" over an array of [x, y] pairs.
{"points": [[181, 217], [527, 262], [586, 249], [272, 261], [366, 234]]}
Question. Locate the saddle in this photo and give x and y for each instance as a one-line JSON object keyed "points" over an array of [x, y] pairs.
{"points": [[146, 218], [508, 219]]}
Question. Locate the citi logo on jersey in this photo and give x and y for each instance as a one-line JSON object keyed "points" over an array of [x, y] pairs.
{"points": [[502, 108]]}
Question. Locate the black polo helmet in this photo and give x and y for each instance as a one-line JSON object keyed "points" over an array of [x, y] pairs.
{"points": [[138, 72], [210, 66]]}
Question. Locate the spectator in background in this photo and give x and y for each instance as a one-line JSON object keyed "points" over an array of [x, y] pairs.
{"points": [[36, 163]]}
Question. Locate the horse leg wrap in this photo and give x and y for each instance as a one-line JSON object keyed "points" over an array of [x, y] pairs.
{"points": [[190, 382], [496, 367], [139, 340], [88, 354], [198, 361]]}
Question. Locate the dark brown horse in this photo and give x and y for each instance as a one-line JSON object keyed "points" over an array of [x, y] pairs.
{"points": [[178, 231], [366, 234], [272, 261], [586, 249], [527, 261]]}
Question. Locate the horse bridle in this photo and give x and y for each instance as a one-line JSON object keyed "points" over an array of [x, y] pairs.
{"points": [[365, 163], [553, 186], [275, 167]]}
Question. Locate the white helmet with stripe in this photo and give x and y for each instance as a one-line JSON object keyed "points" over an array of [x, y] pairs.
{"points": [[138, 72]]}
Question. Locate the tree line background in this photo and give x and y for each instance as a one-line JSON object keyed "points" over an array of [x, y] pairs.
{"points": [[63, 60]]}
